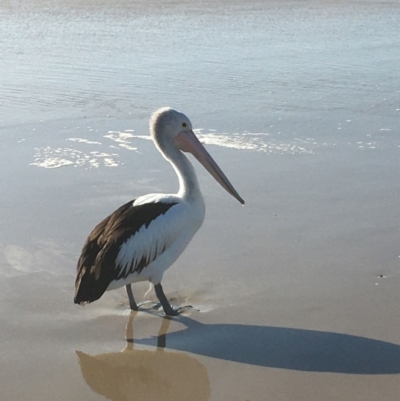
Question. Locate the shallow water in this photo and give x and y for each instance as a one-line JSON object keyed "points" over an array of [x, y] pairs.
{"points": [[299, 104], [231, 65]]}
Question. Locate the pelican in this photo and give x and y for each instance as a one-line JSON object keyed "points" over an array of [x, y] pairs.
{"points": [[144, 237]]}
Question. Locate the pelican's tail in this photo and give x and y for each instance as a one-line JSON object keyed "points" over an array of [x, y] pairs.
{"points": [[87, 288]]}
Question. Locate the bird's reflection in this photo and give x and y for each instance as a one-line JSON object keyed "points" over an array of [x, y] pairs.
{"points": [[145, 375]]}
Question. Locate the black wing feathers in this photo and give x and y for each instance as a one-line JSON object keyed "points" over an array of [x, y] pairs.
{"points": [[96, 266]]}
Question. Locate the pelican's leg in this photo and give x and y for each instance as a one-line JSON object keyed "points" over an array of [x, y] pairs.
{"points": [[132, 302], [164, 301]]}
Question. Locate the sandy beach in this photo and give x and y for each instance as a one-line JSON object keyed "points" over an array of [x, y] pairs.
{"points": [[295, 296]]}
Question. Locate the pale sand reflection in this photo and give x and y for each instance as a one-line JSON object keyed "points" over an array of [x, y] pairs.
{"points": [[149, 375], [44, 254]]}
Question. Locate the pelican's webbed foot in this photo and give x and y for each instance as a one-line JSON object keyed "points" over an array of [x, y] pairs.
{"points": [[168, 309]]}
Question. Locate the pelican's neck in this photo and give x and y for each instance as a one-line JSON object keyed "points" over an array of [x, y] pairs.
{"points": [[188, 184]]}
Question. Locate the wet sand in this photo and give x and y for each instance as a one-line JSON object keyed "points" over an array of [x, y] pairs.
{"points": [[295, 295]]}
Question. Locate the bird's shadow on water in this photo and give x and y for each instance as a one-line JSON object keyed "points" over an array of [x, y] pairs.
{"points": [[285, 348]]}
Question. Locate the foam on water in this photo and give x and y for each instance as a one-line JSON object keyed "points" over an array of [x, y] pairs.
{"points": [[260, 142], [55, 157], [108, 153], [122, 139], [48, 157]]}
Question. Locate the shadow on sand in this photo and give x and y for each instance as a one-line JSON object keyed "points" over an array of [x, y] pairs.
{"points": [[285, 348]]}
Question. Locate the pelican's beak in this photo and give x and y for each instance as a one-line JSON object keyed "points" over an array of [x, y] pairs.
{"points": [[187, 142]]}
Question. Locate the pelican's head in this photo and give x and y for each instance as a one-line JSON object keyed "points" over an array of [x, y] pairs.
{"points": [[166, 124], [170, 128]]}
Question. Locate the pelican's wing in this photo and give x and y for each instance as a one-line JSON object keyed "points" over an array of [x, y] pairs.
{"points": [[123, 243]]}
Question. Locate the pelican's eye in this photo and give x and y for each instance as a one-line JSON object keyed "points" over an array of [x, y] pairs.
{"points": [[184, 125]]}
